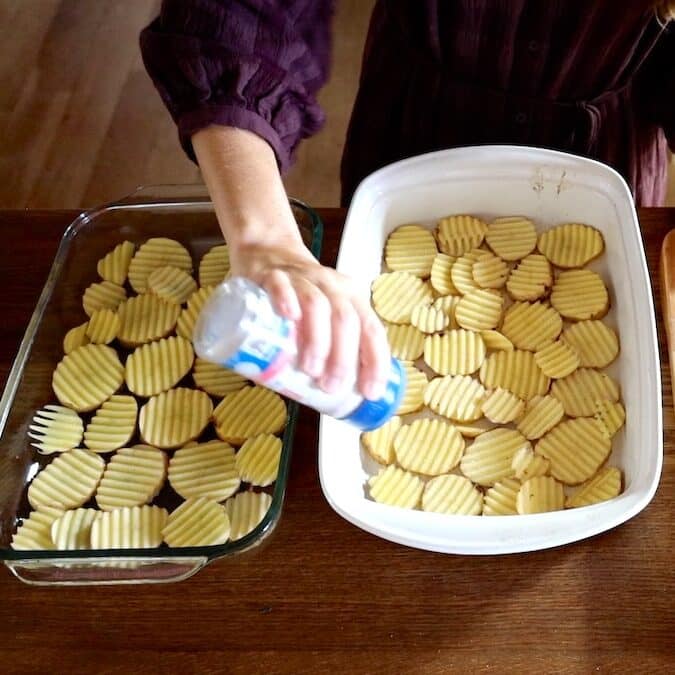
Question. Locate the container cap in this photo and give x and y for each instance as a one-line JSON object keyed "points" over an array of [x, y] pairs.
{"points": [[373, 414]]}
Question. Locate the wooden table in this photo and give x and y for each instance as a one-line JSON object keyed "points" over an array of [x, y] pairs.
{"points": [[323, 596]]}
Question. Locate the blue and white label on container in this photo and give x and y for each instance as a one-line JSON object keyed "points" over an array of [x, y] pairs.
{"points": [[257, 354], [373, 414]]}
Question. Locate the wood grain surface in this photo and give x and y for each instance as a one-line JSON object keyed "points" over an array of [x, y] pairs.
{"points": [[81, 122], [321, 596]]}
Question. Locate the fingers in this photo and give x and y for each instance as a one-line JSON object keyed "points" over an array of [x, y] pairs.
{"points": [[336, 330], [314, 328], [374, 353], [345, 338], [299, 300], [358, 340], [284, 298]]}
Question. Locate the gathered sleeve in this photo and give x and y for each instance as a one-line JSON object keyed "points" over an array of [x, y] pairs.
{"points": [[253, 64], [657, 83]]}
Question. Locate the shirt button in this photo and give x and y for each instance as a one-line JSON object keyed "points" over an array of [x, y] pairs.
{"points": [[533, 46], [521, 118]]}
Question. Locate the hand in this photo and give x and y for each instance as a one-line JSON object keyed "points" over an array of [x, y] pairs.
{"points": [[336, 328]]}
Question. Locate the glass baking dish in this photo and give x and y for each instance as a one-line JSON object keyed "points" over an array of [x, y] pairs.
{"points": [[184, 213]]}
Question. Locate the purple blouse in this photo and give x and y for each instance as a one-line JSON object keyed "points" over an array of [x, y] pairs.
{"points": [[593, 78]]}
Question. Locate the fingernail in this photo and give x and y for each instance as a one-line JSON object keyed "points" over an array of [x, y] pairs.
{"points": [[312, 366], [373, 390], [330, 383], [289, 311]]}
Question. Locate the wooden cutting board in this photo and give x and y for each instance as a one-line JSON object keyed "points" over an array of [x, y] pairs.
{"points": [[667, 278]]}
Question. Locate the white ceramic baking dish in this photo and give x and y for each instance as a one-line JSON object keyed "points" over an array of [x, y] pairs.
{"points": [[551, 188]]}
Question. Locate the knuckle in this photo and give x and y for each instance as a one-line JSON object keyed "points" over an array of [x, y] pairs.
{"points": [[309, 299], [343, 312], [273, 279], [345, 283], [317, 304]]}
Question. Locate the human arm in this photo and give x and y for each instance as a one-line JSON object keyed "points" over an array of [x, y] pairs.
{"points": [[240, 80], [250, 64], [336, 327]]}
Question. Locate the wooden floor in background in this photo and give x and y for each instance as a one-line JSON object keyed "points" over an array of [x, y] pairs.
{"points": [[81, 124]]}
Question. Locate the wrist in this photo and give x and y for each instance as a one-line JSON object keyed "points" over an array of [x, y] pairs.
{"points": [[250, 235], [243, 179]]}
